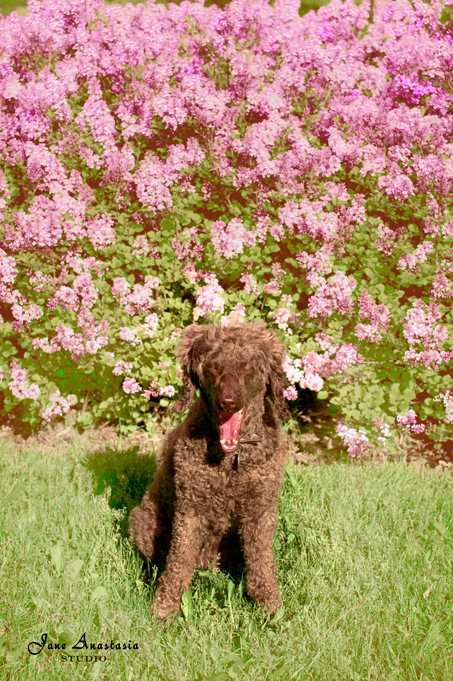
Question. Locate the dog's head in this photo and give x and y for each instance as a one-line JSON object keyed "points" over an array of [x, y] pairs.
{"points": [[231, 366]]}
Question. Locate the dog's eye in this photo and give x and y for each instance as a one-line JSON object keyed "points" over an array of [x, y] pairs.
{"points": [[213, 369]]}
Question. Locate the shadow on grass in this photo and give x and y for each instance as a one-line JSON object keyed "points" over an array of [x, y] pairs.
{"points": [[126, 473]]}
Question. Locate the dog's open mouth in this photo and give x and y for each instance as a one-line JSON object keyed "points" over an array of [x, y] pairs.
{"points": [[230, 428]]}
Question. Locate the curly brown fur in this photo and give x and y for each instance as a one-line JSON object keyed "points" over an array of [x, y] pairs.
{"points": [[203, 489]]}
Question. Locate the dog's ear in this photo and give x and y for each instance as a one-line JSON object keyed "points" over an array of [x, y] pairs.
{"points": [[189, 352], [277, 383]]}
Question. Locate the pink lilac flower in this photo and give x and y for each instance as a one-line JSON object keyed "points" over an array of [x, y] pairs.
{"points": [[408, 422], [378, 315], [129, 335], [250, 283], [447, 398], [434, 173], [65, 297], [58, 406], [208, 299], [441, 288], [421, 326], [290, 393], [320, 261], [118, 164], [122, 367], [237, 315], [154, 177], [84, 286], [384, 428], [142, 247], [176, 333], [230, 239], [356, 441], [19, 385], [150, 325], [101, 232], [39, 227], [425, 336], [131, 386], [138, 300], [168, 391], [8, 269], [325, 342], [273, 287], [386, 241], [96, 113], [24, 317], [397, 186], [187, 246], [331, 296], [155, 390], [306, 378], [281, 317], [411, 260], [66, 338], [39, 280], [120, 285]]}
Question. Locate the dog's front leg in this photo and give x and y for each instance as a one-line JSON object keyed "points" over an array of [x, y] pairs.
{"points": [[257, 533], [186, 542]]}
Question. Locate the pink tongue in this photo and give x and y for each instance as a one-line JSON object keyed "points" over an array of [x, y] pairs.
{"points": [[230, 426]]}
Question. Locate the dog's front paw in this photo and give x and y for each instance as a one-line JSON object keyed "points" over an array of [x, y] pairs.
{"points": [[164, 610]]}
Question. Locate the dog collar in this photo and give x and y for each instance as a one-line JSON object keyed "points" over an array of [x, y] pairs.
{"points": [[239, 449]]}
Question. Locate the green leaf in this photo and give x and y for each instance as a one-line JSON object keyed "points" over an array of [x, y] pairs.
{"points": [[57, 555]]}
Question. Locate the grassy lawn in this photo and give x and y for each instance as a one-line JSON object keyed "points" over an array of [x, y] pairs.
{"points": [[365, 563]]}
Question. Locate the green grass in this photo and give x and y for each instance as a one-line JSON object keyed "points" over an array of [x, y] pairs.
{"points": [[365, 558]]}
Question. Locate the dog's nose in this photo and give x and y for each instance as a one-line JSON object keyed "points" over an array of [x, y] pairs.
{"points": [[228, 402]]}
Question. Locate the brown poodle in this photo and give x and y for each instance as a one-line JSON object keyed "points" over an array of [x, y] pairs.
{"points": [[221, 470]]}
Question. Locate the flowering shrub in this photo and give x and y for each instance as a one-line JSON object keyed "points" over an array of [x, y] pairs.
{"points": [[162, 166]]}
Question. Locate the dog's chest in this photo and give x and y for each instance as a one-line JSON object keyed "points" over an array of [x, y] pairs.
{"points": [[206, 481]]}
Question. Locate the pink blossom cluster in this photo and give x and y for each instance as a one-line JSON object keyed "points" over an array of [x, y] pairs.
{"points": [[58, 405], [155, 177], [310, 370], [356, 441], [121, 367], [155, 390], [378, 315], [408, 422], [425, 336], [331, 296], [19, 385], [447, 398], [238, 314], [137, 300], [187, 247], [247, 157], [230, 239], [209, 298], [420, 254], [384, 429]]}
